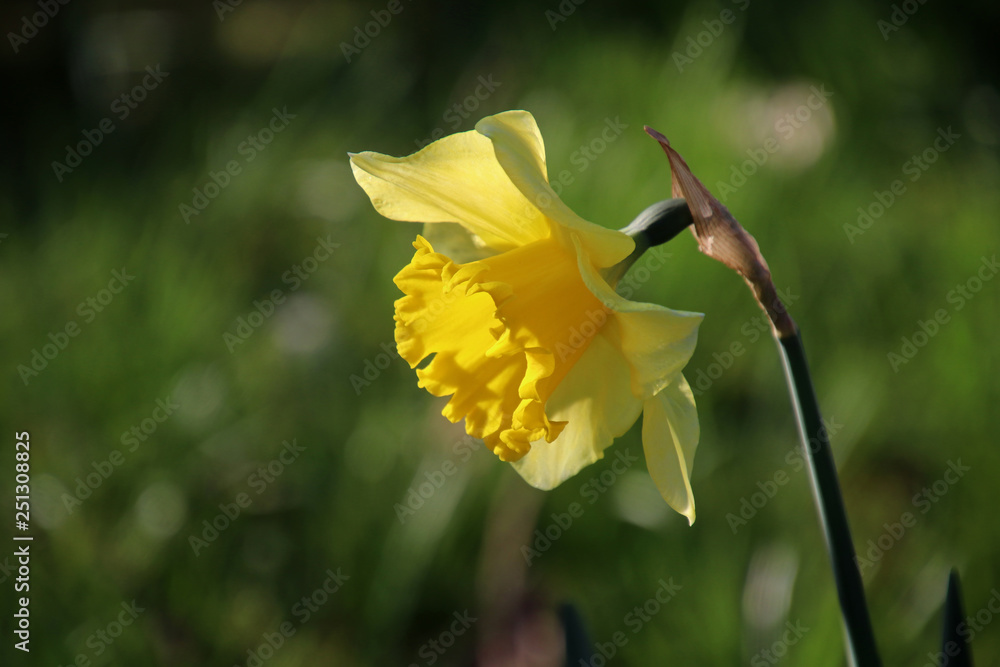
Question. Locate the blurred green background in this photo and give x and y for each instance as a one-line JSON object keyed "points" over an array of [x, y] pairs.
{"points": [[244, 364]]}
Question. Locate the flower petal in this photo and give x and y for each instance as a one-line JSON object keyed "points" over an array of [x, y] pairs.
{"points": [[448, 312], [504, 331], [670, 435], [456, 242], [657, 341], [595, 401], [520, 151], [454, 179]]}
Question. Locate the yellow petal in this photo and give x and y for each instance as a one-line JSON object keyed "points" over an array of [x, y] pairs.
{"points": [[456, 242], [670, 435], [504, 331], [657, 341], [454, 179], [595, 402], [520, 151]]}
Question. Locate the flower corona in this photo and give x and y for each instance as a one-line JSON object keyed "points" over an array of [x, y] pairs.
{"points": [[544, 361]]}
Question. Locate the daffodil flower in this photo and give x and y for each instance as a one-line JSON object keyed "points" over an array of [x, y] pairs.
{"points": [[516, 307]]}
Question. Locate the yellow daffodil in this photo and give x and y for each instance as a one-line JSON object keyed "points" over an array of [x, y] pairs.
{"points": [[543, 360]]}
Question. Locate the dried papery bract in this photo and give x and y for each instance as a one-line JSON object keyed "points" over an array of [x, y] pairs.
{"points": [[721, 237]]}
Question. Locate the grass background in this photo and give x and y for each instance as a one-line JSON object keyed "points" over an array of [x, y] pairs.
{"points": [[367, 444]]}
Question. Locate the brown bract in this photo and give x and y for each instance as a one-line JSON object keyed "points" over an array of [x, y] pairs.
{"points": [[721, 237]]}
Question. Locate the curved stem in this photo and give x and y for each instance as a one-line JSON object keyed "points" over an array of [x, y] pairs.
{"points": [[656, 225]]}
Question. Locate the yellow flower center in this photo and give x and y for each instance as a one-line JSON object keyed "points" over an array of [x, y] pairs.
{"points": [[504, 331]]}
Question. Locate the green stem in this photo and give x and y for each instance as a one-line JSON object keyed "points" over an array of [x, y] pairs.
{"points": [[833, 517], [656, 225]]}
